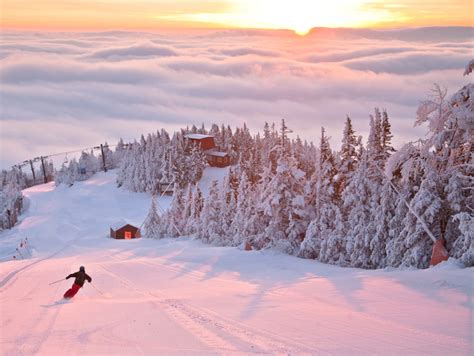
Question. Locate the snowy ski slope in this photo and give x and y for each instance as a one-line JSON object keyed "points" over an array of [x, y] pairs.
{"points": [[178, 296]]}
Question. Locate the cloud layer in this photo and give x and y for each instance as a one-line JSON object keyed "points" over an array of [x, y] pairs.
{"points": [[62, 91]]}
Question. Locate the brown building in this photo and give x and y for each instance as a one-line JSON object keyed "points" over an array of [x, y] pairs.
{"points": [[207, 144], [124, 230], [204, 142], [217, 159]]}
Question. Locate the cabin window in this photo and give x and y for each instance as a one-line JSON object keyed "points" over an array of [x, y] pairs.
{"points": [[128, 235], [219, 159]]}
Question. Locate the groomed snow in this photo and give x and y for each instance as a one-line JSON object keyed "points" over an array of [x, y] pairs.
{"points": [[178, 296]]}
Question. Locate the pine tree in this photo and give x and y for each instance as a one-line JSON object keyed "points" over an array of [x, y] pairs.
{"points": [[282, 203], [348, 154], [239, 230], [174, 217], [357, 212], [383, 210], [463, 247], [197, 162], [395, 248], [197, 204], [386, 138], [152, 224], [374, 148], [427, 203], [228, 199], [326, 209], [209, 229], [187, 215]]}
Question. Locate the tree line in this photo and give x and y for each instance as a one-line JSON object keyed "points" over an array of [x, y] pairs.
{"points": [[340, 207]]}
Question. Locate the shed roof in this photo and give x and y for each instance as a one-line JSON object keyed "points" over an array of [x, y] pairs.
{"points": [[119, 224], [198, 136], [216, 153]]}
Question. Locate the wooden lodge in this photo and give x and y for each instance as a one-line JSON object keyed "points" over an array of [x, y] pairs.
{"points": [[207, 144], [204, 142], [124, 231], [217, 159]]}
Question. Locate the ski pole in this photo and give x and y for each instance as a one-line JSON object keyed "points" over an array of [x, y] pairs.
{"points": [[17, 250], [27, 244], [98, 290], [57, 281]]}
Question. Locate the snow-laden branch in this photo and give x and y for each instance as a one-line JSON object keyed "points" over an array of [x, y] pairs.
{"points": [[469, 67]]}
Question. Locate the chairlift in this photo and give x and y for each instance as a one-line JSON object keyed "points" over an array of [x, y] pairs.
{"points": [[82, 171]]}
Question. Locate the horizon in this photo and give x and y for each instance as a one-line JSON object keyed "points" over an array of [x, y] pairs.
{"points": [[189, 30]]}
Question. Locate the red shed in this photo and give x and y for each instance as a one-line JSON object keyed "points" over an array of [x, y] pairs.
{"points": [[124, 230]]}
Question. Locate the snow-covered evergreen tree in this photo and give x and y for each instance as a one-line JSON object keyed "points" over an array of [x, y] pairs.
{"points": [[427, 203], [152, 225], [386, 138], [348, 154], [326, 209], [463, 248], [174, 219], [228, 199], [383, 202], [239, 228], [197, 204], [357, 211], [210, 229]]}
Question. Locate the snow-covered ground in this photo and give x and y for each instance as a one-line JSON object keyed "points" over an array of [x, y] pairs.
{"points": [[178, 296]]}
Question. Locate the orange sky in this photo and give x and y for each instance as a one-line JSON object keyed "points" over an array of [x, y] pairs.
{"points": [[297, 15]]}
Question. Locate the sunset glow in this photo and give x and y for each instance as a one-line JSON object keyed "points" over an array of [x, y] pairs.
{"points": [[297, 15]]}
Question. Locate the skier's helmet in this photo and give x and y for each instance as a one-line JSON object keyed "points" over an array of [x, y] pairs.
{"points": [[82, 269]]}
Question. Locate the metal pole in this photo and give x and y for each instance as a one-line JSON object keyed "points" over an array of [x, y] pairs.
{"points": [[103, 157], [57, 281], [32, 170], [45, 179], [96, 288]]}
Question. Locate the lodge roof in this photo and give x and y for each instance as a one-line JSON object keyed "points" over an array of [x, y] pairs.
{"points": [[216, 153], [198, 136]]}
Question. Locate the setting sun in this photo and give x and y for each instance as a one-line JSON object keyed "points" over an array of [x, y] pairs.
{"points": [[302, 15]]}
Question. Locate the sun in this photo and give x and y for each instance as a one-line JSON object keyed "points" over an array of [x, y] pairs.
{"points": [[302, 15], [297, 15]]}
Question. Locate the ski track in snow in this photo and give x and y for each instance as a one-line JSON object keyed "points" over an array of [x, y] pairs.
{"points": [[217, 332], [15, 273], [376, 324]]}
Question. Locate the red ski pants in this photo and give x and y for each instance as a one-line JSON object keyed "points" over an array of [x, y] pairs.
{"points": [[72, 292]]}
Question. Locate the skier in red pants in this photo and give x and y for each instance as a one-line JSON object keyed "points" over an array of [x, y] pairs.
{"points": [[80, 277]]}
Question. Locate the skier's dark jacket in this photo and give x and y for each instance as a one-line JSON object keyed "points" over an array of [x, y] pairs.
{"points": [[80, 278]]}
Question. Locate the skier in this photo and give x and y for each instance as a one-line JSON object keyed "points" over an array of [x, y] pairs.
{"points": [[80, 277]]}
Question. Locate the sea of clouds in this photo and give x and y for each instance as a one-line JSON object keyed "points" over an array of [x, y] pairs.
{"points": [[64, 91]]}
